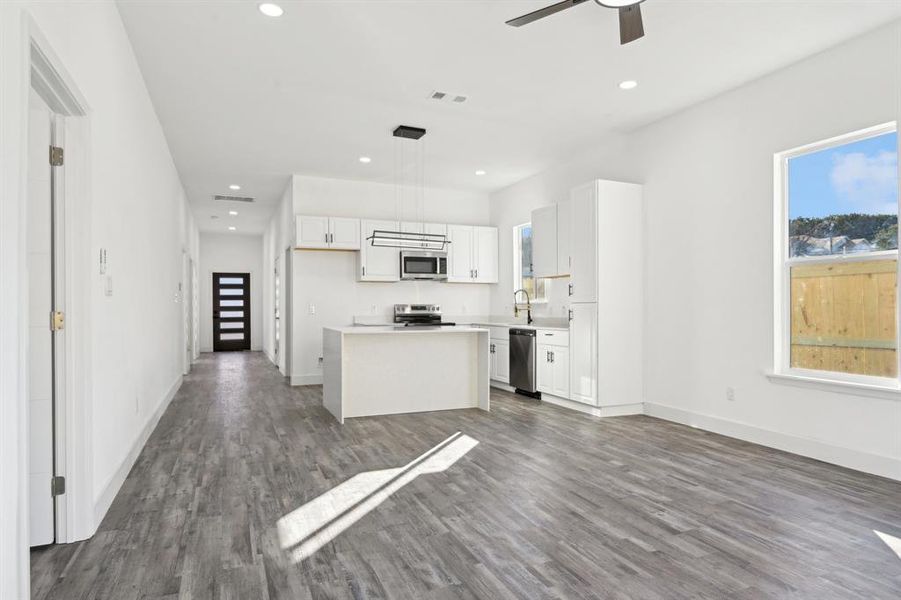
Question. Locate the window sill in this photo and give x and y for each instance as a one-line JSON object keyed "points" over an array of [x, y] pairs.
{"points": [[854, 388]]}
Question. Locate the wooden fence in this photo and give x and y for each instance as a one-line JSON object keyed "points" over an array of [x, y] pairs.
{"points": [[843, 317]]}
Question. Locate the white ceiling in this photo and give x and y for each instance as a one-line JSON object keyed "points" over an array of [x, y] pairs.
{"points": [[249, 99]]}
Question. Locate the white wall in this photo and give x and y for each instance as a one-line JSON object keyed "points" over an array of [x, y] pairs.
{"points": [[328, 280], [223, 253], [136, 210], [708, 176]]}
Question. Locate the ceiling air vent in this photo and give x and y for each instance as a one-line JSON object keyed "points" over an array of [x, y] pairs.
{"points": [[233, 198], [448, 97]]}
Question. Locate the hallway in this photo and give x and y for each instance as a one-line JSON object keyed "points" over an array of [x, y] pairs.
{"points": [[542, 503]]}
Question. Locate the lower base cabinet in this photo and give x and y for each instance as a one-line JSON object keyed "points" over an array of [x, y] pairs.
{"points": [[499, 352], [553, 370]]}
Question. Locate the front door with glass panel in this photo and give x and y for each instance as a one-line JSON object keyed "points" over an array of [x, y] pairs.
{"points": [[231, 311]]}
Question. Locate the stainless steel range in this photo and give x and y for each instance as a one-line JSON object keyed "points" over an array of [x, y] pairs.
{"points": [[419, 315]]}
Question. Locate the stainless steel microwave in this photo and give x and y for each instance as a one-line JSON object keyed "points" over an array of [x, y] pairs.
{"points": [[423, 265]]}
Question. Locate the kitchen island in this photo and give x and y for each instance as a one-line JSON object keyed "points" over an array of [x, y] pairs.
{"points": [[390, 370]]}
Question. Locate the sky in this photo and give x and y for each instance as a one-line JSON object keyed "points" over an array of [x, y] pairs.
{"points": [[860, 177]]}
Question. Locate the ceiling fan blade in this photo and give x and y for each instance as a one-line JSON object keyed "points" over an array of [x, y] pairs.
{"points": [[630, 25], [543, 12]]}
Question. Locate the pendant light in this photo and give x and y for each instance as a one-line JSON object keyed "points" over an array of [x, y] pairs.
{"points": [[404, 136]]}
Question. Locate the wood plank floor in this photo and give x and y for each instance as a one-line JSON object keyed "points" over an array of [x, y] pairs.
{"points": [[549, 504]]}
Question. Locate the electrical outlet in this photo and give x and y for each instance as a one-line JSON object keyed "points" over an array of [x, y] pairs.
{"points": [[730, 394], [312, 309], [320, 362]]}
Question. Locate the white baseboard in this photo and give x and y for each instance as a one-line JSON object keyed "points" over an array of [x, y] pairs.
{"points": [[105, 500], [306, 379], [884, 466], [597, 411]]}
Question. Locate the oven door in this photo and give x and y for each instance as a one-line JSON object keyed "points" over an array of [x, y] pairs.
{"points": [[423, 265]]}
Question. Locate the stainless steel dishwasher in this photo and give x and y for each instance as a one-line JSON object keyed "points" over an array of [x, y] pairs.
{"points": [[523, 362]]}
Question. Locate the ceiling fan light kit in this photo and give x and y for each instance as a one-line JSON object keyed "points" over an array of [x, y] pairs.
{"points": [[631, 26]]}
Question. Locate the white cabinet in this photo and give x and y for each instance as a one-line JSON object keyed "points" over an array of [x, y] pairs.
{"points": [[485, 263], [378, 264], [564, 262], [472, 254], [553, 370], [583, 339], [344, 234], [553, 362], [544, 241], [417, 227], [332, 233], [583, 236], [551, 245], [499, 351], [312, 232]]}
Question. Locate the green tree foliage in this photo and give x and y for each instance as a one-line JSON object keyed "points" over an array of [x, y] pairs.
{"points": [[881, 229], [887, 238]]}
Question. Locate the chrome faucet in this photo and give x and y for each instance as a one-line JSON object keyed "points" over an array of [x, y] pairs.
{"points": [[528, 305]]}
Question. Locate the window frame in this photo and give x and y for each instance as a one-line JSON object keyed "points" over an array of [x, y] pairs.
{"points": [[517, 264], [783, 263]]}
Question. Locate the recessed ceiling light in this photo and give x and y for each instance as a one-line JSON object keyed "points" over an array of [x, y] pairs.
{"points": [[365, 160], [480, 172], [233, 213], [232, 228], [629, 84], [271, 10], [234, 186]]}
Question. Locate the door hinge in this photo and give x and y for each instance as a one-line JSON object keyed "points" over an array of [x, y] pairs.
{"points": [[57, 486], [57, 320], [56, 156]]}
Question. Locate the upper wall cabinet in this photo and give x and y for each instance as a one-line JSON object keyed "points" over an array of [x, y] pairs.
{"points": [[551, 250], [333, 233], [378, 264], [472, 254], [544, 241], [431, 228], [564, 244]]}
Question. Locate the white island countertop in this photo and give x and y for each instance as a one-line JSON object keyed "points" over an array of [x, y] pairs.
{"points": [[384, 370], [370, 329]]}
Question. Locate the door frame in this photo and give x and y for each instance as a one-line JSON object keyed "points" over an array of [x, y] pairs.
{"points": [[72, 257]]}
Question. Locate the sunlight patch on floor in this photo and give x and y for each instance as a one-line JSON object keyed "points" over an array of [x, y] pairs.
{"points": [[307, 529], [890, 541]]}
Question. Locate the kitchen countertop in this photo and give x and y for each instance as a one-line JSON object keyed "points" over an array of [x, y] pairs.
{"points": [[390, 329], [522, 325]]}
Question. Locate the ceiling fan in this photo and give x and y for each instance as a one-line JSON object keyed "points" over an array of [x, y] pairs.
{"points": [[630, 26]]}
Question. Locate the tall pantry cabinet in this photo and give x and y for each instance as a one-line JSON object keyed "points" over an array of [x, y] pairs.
{"points": [[606, 293]]}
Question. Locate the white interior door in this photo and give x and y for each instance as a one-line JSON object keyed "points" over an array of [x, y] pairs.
{"points": [[39, 233], [276, 329]]}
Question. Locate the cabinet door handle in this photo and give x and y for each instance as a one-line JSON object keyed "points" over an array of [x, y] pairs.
{"points": [[552, 357], [364, 274], [570, 289], [570, 314]]}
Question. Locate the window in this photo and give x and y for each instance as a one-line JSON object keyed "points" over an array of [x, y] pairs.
{"points": [[837, 258], [522, 265]]}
